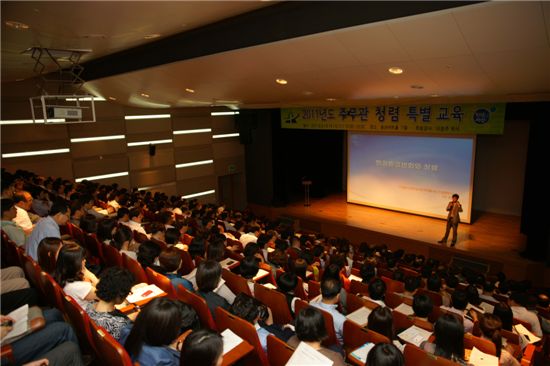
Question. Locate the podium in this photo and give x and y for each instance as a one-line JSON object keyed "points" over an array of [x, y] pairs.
{"points": [[306, 184]]}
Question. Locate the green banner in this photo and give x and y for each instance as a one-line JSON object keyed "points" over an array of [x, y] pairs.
{"points": [[457, 119]]}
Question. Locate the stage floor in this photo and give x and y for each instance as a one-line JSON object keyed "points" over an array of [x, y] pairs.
{"points": [[494, 238]]}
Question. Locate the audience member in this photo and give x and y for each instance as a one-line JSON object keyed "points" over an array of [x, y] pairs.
{"points": [[202, 347], [48, 227], [384, 354], [48, 250], [449, 339], [14, 231], [330, 292]]}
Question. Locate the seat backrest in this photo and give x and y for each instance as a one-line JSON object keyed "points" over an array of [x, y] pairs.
{"points": [[401, 321], [94, 246], [187, 264], [409, 272], [276, 301], [134, 267], [278, 352], [355, 336], [313, 289], [111, 256], [160, 243], [393, 285], [32, 272], [243, 329], [162, 282], [416, 356], [80, 322], [140, 237], [187, 239], [299, 290], [329, 323], [108, 351], [357, 287], [200, 306], [528, 358], [484, 345], [77, 234], [436, 297], [393, 300], [54, 292], [236, 283]]}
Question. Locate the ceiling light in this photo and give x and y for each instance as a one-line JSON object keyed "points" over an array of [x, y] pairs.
{"points": [[230, 113], [99, 138], [189, 90], [152, 36], [194, 163], [225, 135], [85, 99], [145, 95], [417, 87], [331, 99], [308, 93], [187, 132], [34, 153], [29, 121], [205, 193], [281, 81], [103, 176], [147, 116], [395, 70], [16, 25], [152, 142]]}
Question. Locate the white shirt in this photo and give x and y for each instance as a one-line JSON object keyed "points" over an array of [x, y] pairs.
{"points": [[114, 204], [22, 219], [136, 226], [78, 290], [248, 238], [530, 317], [98, 213]]}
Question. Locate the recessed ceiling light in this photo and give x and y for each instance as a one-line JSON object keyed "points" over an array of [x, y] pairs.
{"points": [[281, 81], [145, 95], [189, 90], [414, 86], [112, 98], [395, 70], [308, 92], [151, 36], [331, 99], [16, 25]]}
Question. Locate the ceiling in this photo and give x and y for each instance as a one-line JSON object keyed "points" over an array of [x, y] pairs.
{"points": [[493, 51]]}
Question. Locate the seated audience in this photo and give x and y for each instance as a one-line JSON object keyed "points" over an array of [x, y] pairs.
{"points": [[157, 231], [88, 224], [147, 255], [330, 292], [105, 230], [209, 274], [254, 312], [23, 202], [411, 286], [172, 237], [251, 236], [48, 250], [14, 231], [377, 291], [88, 206], [422, 306], [152, 340], [135, 216], [170, 263], [503, 311], [381, 321], [48, 227], [73, 276], [384, 354], [249, 269], [77, 212], [112, 289], [310, 329], [449, 339], [121, 241], [202, 347], [518, 302], [286, 283], [434, 284], [491, 326], [459, 303]]}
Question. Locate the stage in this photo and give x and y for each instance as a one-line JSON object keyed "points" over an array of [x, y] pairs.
{"points": [[492, 239]]}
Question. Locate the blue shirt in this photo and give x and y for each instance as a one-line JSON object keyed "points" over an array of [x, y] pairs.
{"points": [[45, 228], [153, 355], [337, 318], [178, 280], [262, 335]]}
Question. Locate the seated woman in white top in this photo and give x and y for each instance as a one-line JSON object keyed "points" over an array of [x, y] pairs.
{"points": [[71, 274], [491, 326]]}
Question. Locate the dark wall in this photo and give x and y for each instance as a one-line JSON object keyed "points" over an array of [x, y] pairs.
{"points": [[277, 159]]}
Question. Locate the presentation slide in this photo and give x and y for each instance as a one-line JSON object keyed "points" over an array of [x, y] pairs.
{"points": [[415, 174]]}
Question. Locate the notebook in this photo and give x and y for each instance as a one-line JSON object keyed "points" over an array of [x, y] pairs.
{"points": [[360, 316], [353, 277], [228, 263], [269, 285], [20, 325], [479, 358], [525, 333], [405, 309], [261, 274], [488, 308], [362, 352], [230, 340], [305, 355], [414, 335], [144, 293]]}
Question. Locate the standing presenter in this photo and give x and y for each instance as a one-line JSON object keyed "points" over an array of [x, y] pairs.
{"points": [[453, 218]]}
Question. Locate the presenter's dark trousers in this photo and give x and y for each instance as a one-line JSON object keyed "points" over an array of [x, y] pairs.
{"points": [[451, 224]]}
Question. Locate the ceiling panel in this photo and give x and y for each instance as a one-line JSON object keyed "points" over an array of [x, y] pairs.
{"points": [[485, 32]]}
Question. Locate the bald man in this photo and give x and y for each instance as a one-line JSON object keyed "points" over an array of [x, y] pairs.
{"points": [[23, 203]]}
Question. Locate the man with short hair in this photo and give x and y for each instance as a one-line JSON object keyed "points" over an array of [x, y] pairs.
{"points": [[517, 303], [88, 202], [134, 223], [14, 231], [330, 291], [459, 301], [251, 236], [453, 218], [23, 203], [48, 227]]}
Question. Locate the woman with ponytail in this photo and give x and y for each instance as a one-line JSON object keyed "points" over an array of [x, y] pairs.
{"points": [[491, 327]]}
